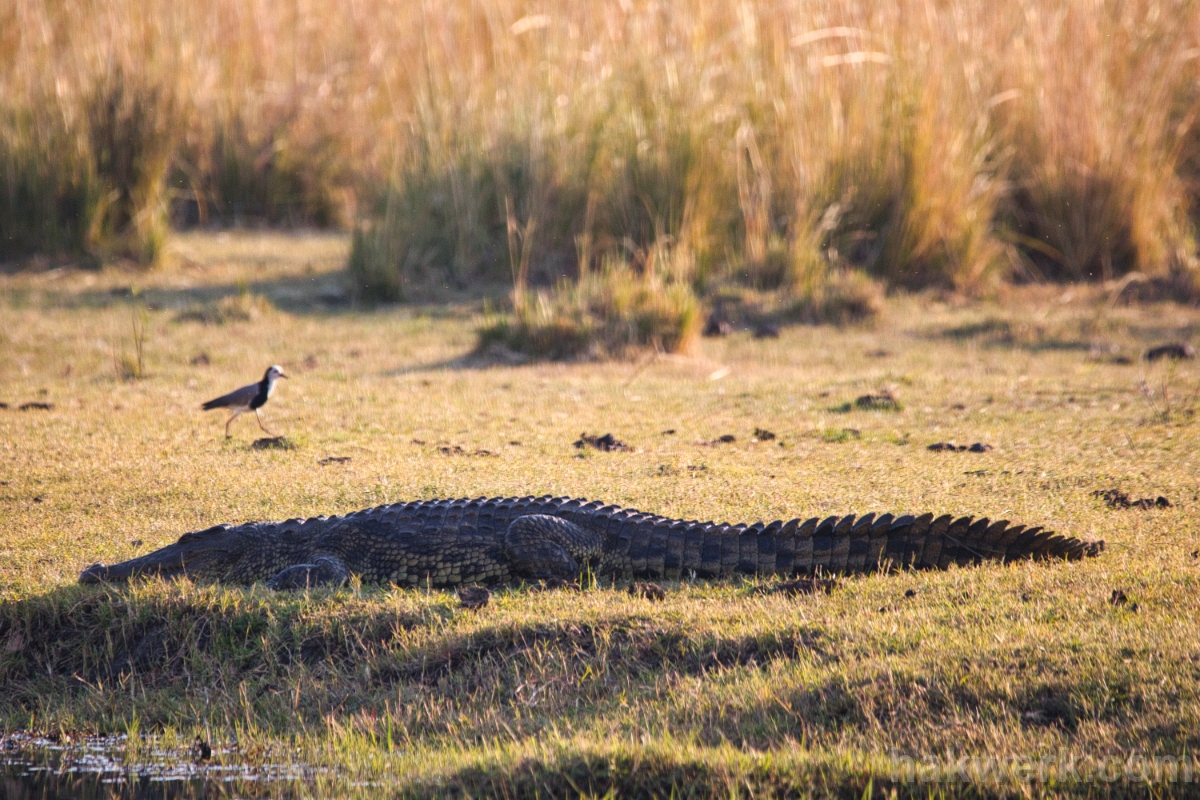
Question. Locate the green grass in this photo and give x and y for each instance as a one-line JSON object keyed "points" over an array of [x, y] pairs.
{"points": [[717, 689]]}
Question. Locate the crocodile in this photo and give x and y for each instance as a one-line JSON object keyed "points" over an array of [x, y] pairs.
{"points": [[446, 543]]}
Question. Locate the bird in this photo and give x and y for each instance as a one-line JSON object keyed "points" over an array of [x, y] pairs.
{"points": [[248, 398]]}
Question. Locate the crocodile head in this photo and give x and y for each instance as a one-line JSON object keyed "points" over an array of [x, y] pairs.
{"points": [[215, 554]]}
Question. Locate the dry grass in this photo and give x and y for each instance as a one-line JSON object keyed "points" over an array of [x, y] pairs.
{"points": [[715, 690], [926, 143], [613, 312]]}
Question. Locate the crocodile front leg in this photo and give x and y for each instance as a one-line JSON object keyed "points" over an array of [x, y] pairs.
{"points": [[542, 547], [324, 570]]}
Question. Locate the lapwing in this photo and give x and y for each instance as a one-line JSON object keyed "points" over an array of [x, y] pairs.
{"points": [[248, 398]]}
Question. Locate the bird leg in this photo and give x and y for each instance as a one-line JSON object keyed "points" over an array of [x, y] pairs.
{"points": [[260, 424], [231, 419]]}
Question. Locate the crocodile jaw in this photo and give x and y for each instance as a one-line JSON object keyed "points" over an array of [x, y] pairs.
{"points": [[203, 555]]}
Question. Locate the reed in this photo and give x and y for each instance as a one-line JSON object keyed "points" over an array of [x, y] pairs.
{"points": [[925, 143]]}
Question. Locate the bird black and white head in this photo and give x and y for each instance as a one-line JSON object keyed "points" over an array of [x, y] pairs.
{"points": [[274, 371]]}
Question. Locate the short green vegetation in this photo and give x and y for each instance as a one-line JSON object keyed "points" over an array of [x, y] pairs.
{"points": [[717, 690]]}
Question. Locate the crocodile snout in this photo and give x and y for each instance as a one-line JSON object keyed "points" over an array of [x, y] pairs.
{"points": [[96, 573]]}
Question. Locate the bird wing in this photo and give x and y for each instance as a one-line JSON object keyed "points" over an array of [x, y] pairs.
{"points": [[238, 397]]}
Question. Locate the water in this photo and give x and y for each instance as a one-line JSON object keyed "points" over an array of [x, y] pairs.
{"points": [[102, 768]]}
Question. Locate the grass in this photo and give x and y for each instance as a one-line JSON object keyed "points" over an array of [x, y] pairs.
{"points": [[717, 689], [771, 142]]}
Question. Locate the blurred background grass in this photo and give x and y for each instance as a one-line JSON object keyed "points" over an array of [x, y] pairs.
{"points": [[692, 148]]}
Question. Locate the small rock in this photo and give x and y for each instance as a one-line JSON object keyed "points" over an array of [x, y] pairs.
{"points": [[309, 362], [35, 406], [457, 450], [766, 330], [951, 447], [728, 438], [135, 543], [910, 593], [273, 443], [607, 443], [473, 597], [334, 460], [884, 401], [201, 360], [717, 325], [650, 591], [1120, 600], [1176, 351], [1115, 498], [763, 435], [669, 432]]}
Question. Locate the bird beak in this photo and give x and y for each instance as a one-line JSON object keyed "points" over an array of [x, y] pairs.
{"points": [[282, 375]]}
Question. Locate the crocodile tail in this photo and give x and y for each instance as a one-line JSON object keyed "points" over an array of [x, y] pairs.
{"points": [[838, 545], [929, 542]]}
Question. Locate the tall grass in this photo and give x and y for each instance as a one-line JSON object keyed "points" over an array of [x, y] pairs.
{"points": [[937, 142]]}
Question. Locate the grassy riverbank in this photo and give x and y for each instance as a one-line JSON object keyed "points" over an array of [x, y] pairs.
{"points": [[717, 689]]}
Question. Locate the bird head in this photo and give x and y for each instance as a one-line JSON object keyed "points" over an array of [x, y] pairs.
{"points": [[274, 371], [214, 554]]}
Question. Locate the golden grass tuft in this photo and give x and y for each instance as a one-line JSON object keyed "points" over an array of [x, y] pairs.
{"points": [[949, 145], [613, 312]]}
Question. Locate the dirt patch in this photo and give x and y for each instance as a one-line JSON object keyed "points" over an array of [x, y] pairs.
{"points": [[274, 443], [1176, 351], [883, 401], [717, 324], [1118, 599], [606, 443], [727, 438], [1115, 498], [766, 330], [456, 450], [951, 447]]}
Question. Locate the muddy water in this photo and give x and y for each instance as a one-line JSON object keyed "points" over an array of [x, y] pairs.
{"points": [[105, 768]]}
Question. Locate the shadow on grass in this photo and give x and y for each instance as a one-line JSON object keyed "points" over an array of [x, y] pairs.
{"points": [[1001, 333], [99, 655]]}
